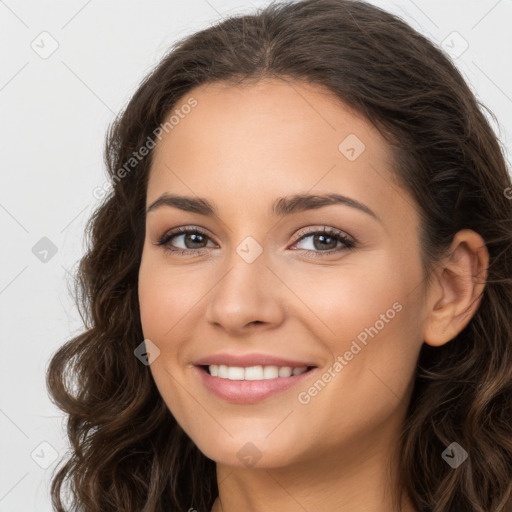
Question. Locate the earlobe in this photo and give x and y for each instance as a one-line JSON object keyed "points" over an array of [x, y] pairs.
{"points": [[458, 288]]}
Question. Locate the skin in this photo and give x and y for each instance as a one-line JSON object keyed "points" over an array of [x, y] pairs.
{"points": [[241, 147]]}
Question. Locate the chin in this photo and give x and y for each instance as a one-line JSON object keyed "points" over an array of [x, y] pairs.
{"points": [[246, 451]]}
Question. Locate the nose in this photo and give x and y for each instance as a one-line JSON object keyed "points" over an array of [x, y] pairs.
{"points": [[248, 294]]}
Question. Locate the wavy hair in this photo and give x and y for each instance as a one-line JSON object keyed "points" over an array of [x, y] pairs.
{"points": [[127, 452]]}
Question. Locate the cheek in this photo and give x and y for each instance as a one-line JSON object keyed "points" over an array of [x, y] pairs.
{"points": [[370, 315], [163, 311], [171, 301], [369, 380], [358, 296], [155, 302], [165, 296]]}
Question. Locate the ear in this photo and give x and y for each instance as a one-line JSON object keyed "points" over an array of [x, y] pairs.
{"points": [[457, 288]]}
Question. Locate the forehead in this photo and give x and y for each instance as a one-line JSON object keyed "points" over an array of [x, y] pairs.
{"points": [[246, 144]]}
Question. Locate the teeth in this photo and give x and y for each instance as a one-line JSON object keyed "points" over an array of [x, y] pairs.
{"points": [[253, 372], [285, 371]]}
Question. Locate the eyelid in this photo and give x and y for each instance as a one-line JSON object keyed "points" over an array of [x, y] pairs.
{"points": [[182, 230], [311, 230], [343, 237]]}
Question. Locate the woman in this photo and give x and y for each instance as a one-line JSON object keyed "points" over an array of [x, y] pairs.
{"points": [[297, 294]]}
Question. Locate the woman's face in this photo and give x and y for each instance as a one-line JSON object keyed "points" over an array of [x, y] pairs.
{"points": [[261, 286]]}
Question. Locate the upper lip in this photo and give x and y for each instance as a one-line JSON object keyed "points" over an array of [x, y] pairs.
{"points": [[245, 360]]}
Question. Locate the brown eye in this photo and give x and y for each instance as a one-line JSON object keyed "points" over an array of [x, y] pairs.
{"points": [[325, 241], [194, 240]]}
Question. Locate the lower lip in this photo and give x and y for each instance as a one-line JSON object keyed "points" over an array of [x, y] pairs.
{"points": [[249, 391]]}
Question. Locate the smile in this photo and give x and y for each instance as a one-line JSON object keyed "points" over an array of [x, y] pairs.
{"points": [[248, 385], [253, 372]]}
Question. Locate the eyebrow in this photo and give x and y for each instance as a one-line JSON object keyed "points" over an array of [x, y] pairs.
{"points": [[282, 206]]}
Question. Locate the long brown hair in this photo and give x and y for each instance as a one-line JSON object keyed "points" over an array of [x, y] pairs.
{"points": [[127, 451]]}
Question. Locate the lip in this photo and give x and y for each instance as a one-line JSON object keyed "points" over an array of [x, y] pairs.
{"points": [[249, 391], [245, 360]]}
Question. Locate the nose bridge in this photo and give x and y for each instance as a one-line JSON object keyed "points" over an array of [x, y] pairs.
{"points": [[248, 292]]}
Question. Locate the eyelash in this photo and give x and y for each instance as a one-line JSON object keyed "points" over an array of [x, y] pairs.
{"points": [[338, 235]]}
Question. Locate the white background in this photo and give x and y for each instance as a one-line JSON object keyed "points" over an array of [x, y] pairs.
{"points": [[53, 117]]}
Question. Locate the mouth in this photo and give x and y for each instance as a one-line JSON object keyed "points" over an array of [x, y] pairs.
{"points": [[252, 384], [258, 372]]}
